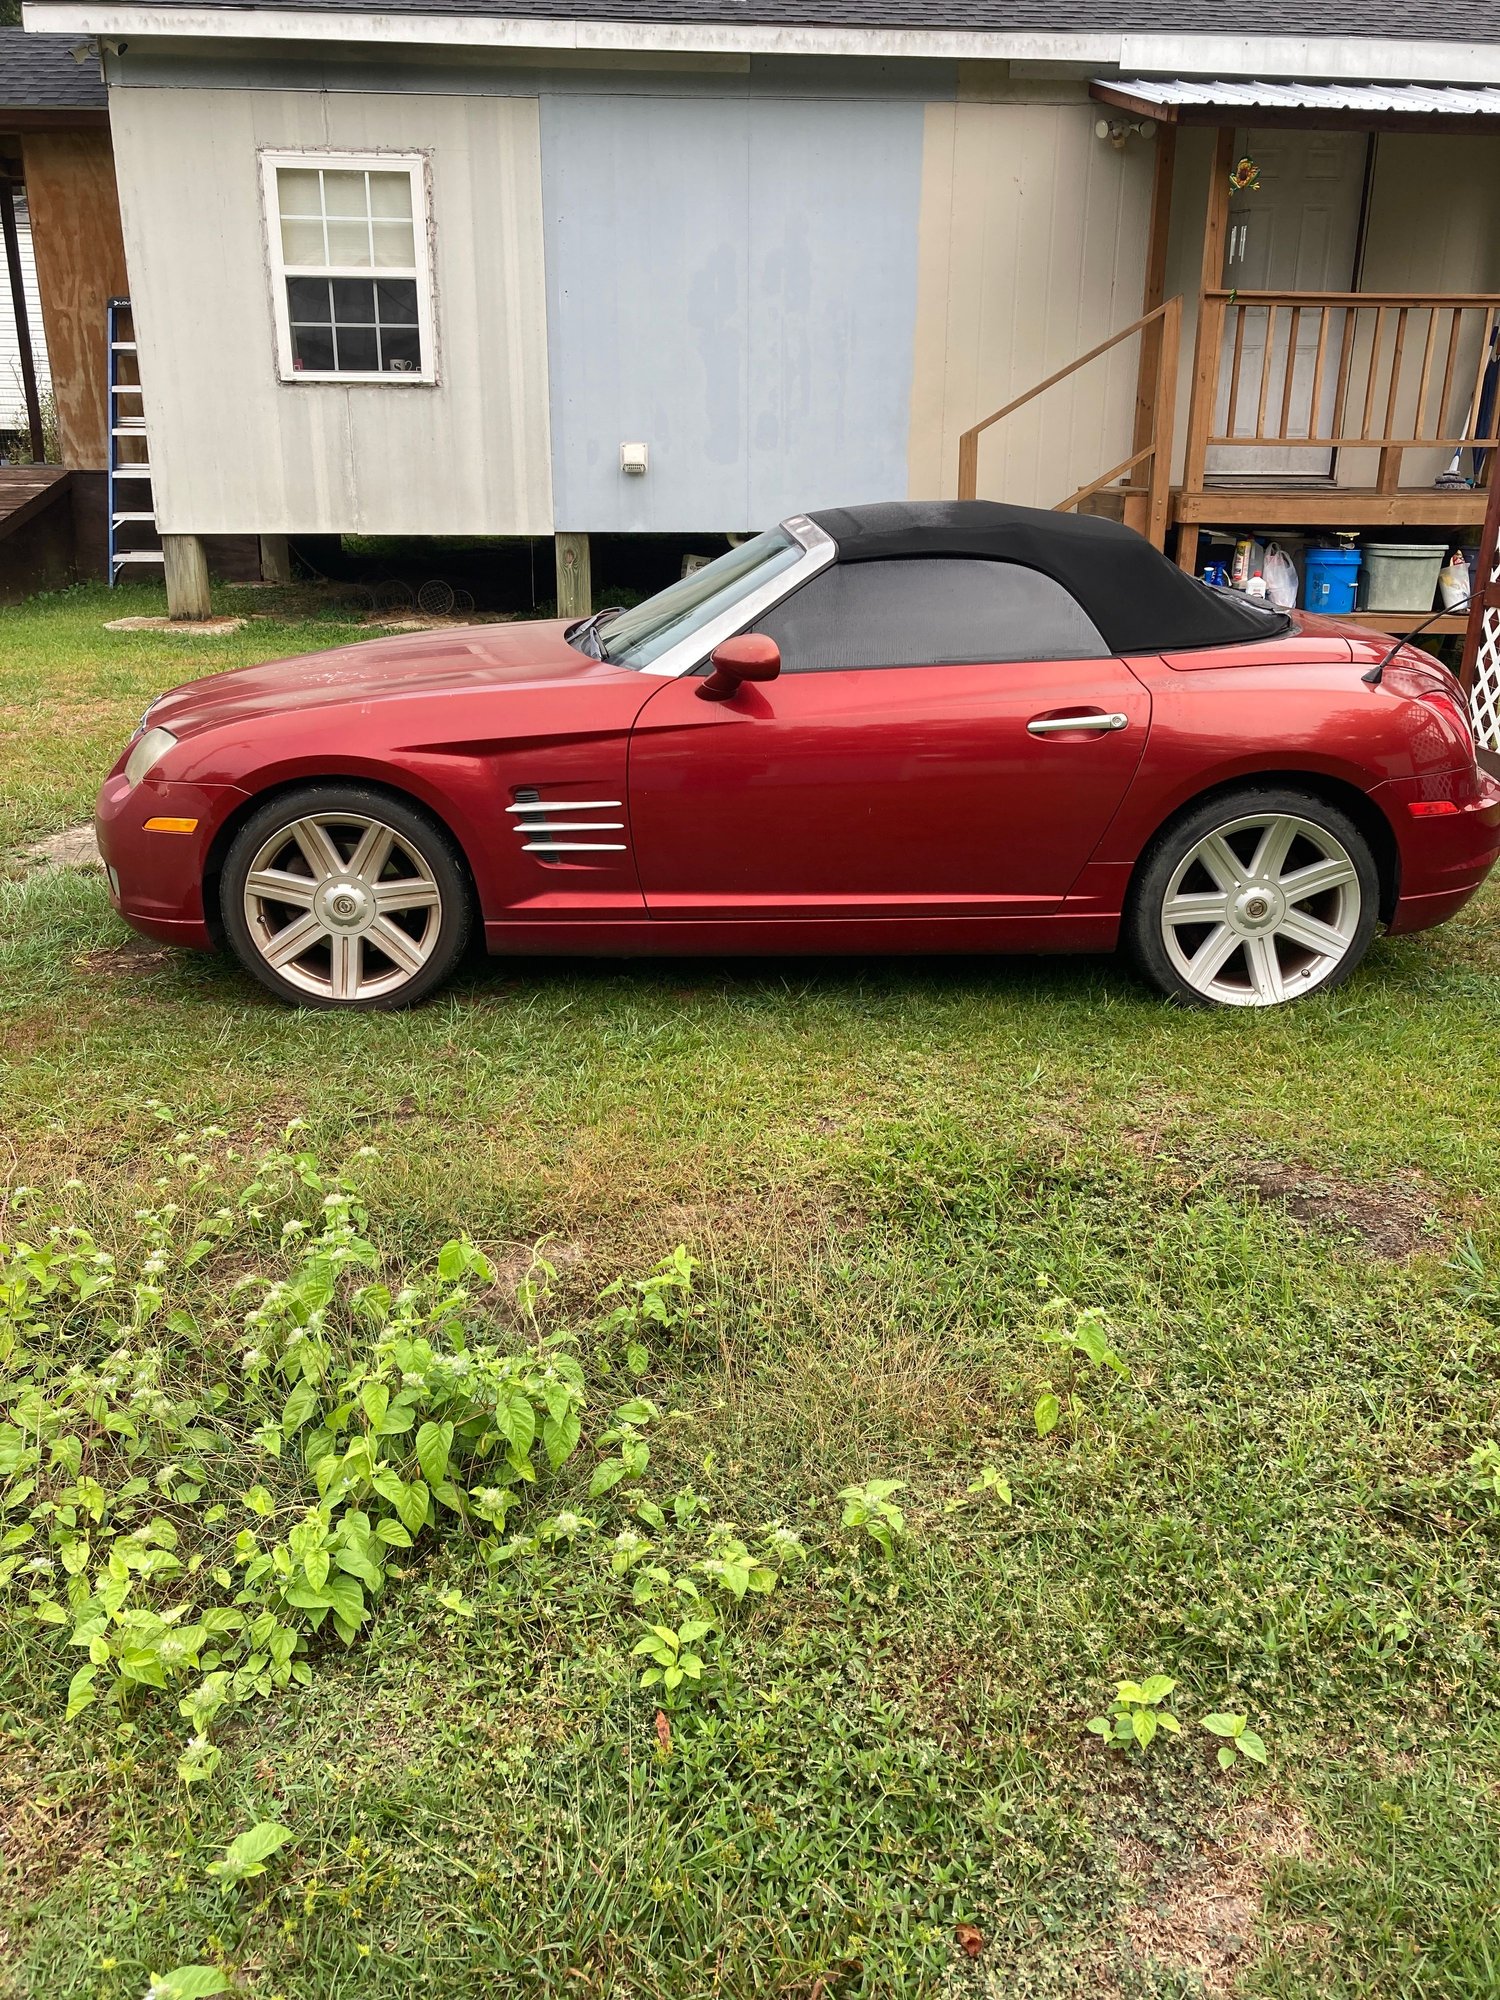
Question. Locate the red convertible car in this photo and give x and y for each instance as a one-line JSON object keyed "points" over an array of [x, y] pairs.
{"points": [[908, 727]]}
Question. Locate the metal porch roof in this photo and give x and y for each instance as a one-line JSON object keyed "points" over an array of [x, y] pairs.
{"points": [[1169, 99]]}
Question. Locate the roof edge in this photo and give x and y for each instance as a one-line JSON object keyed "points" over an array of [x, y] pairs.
{"points": [[1310, 57]]}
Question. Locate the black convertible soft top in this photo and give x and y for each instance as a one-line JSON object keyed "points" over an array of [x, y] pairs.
{"points": [[1141, 602]]}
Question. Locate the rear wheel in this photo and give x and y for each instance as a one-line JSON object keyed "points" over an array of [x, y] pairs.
{"points": [[1253, 899], [338, 896]]}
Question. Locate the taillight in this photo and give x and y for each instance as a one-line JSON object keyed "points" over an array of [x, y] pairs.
{"points": [[1450, 706]]}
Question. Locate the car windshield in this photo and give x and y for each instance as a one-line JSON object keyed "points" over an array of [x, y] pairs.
{"points": [[639, 637]]}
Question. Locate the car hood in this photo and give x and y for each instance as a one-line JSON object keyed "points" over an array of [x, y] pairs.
{"points": [[462, 658]]}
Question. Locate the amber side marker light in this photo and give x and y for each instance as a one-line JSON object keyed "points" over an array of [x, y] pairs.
{"points": [[171, 826]]}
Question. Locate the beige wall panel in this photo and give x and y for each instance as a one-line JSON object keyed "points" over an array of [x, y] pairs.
{"points": [[1033, 246], [235, 449]]}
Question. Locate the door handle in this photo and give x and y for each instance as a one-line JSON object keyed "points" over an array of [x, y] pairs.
{"points": [[1053, 725]]}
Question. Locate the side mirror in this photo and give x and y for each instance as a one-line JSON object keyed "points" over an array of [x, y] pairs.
{"points": [[750, 657]]}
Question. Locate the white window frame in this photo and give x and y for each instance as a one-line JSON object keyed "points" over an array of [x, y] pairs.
{"points": [[417, 167]]}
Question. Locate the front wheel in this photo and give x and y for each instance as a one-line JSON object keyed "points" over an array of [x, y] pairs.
{"points": [[1253, 899], [337, 896]]}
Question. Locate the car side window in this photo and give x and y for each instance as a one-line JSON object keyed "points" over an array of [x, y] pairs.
{"points": [[924, 612]]}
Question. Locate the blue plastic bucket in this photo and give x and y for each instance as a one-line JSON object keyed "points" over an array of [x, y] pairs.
{"points": [[1332, 577]]}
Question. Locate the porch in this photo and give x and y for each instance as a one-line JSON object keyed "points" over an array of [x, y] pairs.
{"points": [[1291, 408]]}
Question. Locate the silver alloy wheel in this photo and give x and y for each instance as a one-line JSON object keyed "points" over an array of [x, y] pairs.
{"points": [[342, 906], [1261, 910]]}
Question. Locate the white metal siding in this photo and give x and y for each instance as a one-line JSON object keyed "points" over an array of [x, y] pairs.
{"points": [[12, 394], [237, 450]]}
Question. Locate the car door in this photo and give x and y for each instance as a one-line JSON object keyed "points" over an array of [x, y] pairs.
{"points": [[946, 738]]}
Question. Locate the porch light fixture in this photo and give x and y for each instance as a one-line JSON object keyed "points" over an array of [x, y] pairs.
{"points": [[1118, 130]]}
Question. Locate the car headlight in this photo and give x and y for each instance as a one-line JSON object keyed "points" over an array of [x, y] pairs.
{"points": [[148, 753]]}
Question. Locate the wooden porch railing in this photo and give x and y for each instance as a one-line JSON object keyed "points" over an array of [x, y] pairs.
{"points": [[1390, 372], [1161, 332]]}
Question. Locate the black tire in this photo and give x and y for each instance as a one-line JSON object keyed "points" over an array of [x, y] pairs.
{"points": [[424, 865], [1348, 910]]}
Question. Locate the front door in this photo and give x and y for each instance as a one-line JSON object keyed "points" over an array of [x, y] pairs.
{"points": [[1297, 232], [901, 765]]}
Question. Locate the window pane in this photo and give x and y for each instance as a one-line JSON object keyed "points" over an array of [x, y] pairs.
{"points": [[302, 243], [349, 243], [396, 301], [360, 219], [393, 244], [312, 348], [929, 613], [297, 191], [354, 301], [390, 194], [307, 299], [344, 193], [357, 351], [401, 350]]}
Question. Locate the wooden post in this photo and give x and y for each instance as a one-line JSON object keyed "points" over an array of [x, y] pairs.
{"points": [[275, 559], [968, 466], [575, 588], [1146, 381], [1168, 330], [186, 567], [1210, 316], [23, 325]]}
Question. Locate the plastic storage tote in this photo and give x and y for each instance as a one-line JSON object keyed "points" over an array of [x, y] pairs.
{"points": [[1400, 576]]}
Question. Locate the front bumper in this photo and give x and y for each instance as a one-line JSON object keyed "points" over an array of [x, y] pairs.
{"points": [[1444, 855], [156, 878]]}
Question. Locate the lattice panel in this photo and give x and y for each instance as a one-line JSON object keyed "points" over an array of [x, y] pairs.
{"points": [[1484, 695]]}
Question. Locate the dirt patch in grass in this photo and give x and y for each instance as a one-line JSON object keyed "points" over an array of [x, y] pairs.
{"points": [[118, 960], [1203, 1917], [1393, 1219], [181, 628], [43, 1837], [74, 847]]}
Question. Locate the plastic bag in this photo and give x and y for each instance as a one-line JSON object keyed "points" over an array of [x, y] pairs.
{"points": [[1453, 582], [1280, 573]]}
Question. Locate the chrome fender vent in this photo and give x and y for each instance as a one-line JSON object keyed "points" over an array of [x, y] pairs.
{"points": [[538, 823]]}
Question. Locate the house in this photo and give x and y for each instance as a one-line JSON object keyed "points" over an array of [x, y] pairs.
{"points": [[57, 189], [574, 267], [16, 327]]}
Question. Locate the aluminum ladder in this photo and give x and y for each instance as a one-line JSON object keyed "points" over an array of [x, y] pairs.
{"points": [[133, 536]]}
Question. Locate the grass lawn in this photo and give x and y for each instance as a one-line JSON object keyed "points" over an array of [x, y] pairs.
{"points": [[897, 1179]]}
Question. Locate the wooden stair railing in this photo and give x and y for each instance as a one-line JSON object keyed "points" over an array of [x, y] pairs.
{"points": [[1159, 403], [1382, 372]]}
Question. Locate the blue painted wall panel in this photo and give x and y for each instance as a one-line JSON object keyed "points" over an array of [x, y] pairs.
{"points": [[732, 281]]}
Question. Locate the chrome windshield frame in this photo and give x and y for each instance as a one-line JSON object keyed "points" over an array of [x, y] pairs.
{"points": [[818, 551]]}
